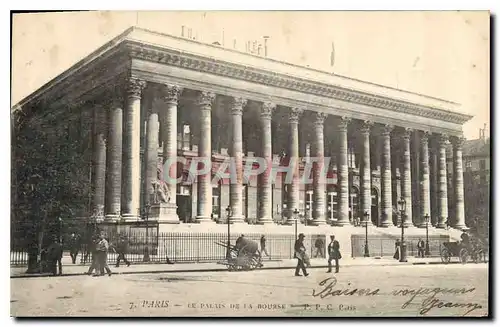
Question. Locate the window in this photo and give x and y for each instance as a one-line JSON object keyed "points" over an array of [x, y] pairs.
{"points": [[186, 137], [216, 202]]}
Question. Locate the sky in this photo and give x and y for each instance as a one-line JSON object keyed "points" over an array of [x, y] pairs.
{"points": [[440, 54]]}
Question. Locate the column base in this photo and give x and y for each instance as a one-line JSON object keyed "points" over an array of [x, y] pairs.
{"points": [[237, 219], [264, 221], [441, 225], [111, 217], [165, 213], [204, 220], [461, 227], [385, 224], [318, 222], [341, 223], [130, 216]]}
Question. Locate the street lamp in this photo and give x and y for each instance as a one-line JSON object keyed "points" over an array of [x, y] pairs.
{"points": [[296, 216], [228, 212], [147, 209], [427, 220], [366, 217], [307, 214], [402, 209]]}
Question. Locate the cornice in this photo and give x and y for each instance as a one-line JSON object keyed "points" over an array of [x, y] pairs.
{"points": [[255, 75]]}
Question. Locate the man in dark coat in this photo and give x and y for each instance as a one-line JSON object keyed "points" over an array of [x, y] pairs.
{"points": [[54, 256], [420, 248], [333, 254], [300, 254], [74, 246], [122, 249]]}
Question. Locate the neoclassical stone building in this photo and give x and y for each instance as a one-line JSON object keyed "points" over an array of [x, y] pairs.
{"points": [[151, 97]]}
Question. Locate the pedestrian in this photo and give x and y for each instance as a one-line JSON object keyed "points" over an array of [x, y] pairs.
{"points": [[300, 254], [263, 246], [102, 255], [397, 253], [54, 256], [333, 254], [320, 248], [420, 248], [92, 249], [74, 246], [122, 249]]}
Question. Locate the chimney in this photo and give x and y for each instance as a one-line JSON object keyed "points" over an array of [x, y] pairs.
{"points": [[265, 45], [190, 33], [182, 30], [259, 49], [234, 44]]}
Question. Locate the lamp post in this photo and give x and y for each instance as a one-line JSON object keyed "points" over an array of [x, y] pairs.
{"points": [[228, 212], [296, 216], [366, 217], [427, 220], [147, 209], [307, 214], [402, 209]]}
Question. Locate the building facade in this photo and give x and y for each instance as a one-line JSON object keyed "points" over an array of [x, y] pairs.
{"points": [[150, 97]]}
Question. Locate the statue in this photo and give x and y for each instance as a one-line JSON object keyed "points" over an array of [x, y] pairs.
{"points": [[161, 189]]}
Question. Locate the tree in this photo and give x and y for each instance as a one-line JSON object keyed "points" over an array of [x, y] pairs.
{"points": [[51, 157]]}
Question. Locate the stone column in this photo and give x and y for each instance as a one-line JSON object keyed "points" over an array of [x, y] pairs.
{"points": [[99, 161], [425, 198], [319, 171], [459, 182], [406, 178], [236, 186], [114, 158], [442, 184], [433, 162], [365, 170], [169, 99], [205, 101], [151, 153], [293, 198], [132, 150], [386, 178], [343, 175], [264, 188]]}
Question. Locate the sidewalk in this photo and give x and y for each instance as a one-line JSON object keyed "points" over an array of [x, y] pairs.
{"points": [[78, 269]]}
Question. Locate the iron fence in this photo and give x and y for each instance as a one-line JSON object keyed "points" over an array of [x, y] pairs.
{"points": [[191, 247], [384, 246]]}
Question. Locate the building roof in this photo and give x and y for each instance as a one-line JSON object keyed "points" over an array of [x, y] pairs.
{"points": [[472, 148], [162, 47]]}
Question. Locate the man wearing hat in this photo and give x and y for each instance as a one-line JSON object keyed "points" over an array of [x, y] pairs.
{"points": [[333, 254], [300, 254]]}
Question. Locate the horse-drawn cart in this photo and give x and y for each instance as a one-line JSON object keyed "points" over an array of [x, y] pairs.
{"points": [[464, 252], [244, 255]]}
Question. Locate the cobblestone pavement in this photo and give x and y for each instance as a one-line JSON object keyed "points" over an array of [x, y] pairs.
{"points": [[402, 291]]}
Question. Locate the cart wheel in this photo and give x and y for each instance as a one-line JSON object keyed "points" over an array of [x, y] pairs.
{"points": [[464, 256], [445, 256]]}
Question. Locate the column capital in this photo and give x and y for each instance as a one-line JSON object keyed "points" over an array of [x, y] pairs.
{"points": [[237, 104], [424, 137], [205, 100], [294, 114], [407, 133], [135, 86], [343, 123], [170, 93], [266, 110], [366, 126], [457, 141], [443, 139], [387, 129], [319, 118]]}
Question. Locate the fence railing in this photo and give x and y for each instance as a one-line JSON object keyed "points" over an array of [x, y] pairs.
{"points": [[384, 246], [192, 247]]}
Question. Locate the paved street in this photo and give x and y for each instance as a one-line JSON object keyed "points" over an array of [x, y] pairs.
{"points": [[402, 291]]}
